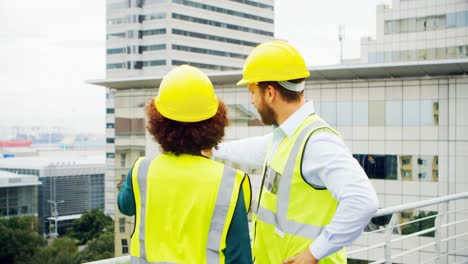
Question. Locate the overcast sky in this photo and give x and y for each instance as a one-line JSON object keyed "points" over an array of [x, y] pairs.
{"points": [[49, 48]]}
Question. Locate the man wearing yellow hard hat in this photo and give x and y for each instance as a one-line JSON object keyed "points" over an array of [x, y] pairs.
{"points": [[315, 199], [188, 208]]}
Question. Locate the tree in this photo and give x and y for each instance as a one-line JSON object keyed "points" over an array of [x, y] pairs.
{"points": [[420, 225], [90, 226], [98, 248], [19, 238], [62, 251]]}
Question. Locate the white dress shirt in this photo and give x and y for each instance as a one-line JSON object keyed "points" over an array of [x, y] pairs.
{"points": [[327, 162]]}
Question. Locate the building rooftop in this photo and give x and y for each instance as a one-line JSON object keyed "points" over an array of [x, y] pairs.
{"points": [[321, 73], [52, 161], [10, 179]]}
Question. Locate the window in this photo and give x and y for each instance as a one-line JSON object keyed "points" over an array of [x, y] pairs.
{"points": [[123, 157], [122, 225], [124, 246], [404, 25], [461, 51], [377, 113], [328, 112], [421, 24], [394, 113], [110, 140], [460, 19], [360, 113], [429, 113], [422, 54], [344, 116], [411, 24], [388, 27], [110, 110], [220, 24], [110, 125], [110, 155], [406, 160], [378, 166], [451, 20], [411, 113]]}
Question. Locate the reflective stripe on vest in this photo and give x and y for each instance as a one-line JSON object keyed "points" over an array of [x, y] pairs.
{"points": [[217, 221], [279, 219]]}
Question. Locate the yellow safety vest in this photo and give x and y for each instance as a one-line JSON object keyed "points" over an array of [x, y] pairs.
{"points": [[291, 213], [184, 207]]}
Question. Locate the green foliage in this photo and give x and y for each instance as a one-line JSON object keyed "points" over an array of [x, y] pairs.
{"points": [[62, 251], [19, 238], [99, 248], [20, 242], [90, 226], [421, 225]]}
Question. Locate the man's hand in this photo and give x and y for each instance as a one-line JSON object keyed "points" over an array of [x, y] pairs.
{"points": [[304, 258], [207, 153]]}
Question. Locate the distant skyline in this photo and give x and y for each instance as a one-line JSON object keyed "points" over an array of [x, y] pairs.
{"points": [[49, 48]]}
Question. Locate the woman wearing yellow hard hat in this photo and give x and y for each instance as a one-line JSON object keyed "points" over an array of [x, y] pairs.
{"points": [[189, 208], [315, 199]]}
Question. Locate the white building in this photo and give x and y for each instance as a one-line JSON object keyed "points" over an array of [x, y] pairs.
{"points": [[75, 184], [18, 194], [418, 30], [404, 122], [150, 37]]}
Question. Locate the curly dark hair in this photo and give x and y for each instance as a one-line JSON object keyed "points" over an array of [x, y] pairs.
{"points": [[186, 137]]}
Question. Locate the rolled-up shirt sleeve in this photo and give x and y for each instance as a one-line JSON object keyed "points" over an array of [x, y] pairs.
{"points": [[328, 162], [247, 152]]}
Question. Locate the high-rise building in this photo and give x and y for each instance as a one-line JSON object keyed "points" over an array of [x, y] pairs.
{"points": [[418, 30], [149, 37]]}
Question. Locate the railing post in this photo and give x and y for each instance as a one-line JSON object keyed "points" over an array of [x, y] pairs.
{"points": [[441, 218], [388, 238]]}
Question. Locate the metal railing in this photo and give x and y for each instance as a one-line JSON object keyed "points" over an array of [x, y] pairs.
{"points": [[444, 241], [443, 238]]}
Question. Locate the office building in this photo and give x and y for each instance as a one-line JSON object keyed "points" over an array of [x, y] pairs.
{"points": [[150, 37], [69, 186], [18, 194], [407, 131], [418, 30]]}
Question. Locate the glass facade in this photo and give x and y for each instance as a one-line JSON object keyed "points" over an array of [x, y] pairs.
{"points": [[223, 10], [17, 201], [213, 37], [209, 51], [419, 54], [399, 167], [426, 23], [221, 24], [205, 65], [254, 3]]}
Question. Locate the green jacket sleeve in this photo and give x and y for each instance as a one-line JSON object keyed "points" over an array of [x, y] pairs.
{"points": [[238, 241], [125, 199]]}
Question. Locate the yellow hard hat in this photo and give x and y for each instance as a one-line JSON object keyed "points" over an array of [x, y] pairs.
{"points": [[186, 95], [273, 61]]}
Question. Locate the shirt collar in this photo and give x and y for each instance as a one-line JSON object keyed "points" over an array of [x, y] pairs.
{"points": [[295, 120]]}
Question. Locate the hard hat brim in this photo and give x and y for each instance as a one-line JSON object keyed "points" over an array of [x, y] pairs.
{"points": [[243, 82]]}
